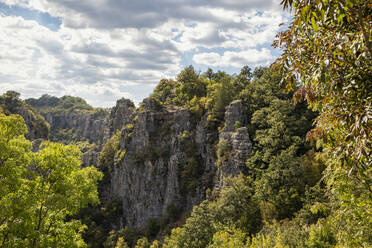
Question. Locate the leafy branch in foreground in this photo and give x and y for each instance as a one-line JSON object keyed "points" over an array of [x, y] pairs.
{"points": [[327, 59]]}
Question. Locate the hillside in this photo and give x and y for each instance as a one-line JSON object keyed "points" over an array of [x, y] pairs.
{"points": [[275, 157], [187, 143]]}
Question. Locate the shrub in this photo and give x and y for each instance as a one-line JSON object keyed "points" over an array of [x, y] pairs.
{"points": [[237, 124], [223, 150], [153, 226]]}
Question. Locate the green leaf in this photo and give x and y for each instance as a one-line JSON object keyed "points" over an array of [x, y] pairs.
{"points": [[313, 23], [340, 19]]}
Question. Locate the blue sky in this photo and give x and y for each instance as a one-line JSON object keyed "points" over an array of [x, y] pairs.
{"points": [[42, 18], [103, 50]]}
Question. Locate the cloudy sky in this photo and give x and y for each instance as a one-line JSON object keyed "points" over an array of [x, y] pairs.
{"points": [[103, 50]]}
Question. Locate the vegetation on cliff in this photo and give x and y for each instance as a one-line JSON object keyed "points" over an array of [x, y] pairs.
{"points": [[71, 119], [10, 103]]}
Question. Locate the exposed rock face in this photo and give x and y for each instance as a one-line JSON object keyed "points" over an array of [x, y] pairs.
{"points": [[151, 175], [121, 115], [148, 178], [237, 142], [37, 127], [90, 158], [166, 158], [77, 125], [203, 138], [94, 126]]}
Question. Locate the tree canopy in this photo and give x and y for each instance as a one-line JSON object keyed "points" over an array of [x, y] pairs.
{"points": [[327, 59], [39, 191]]}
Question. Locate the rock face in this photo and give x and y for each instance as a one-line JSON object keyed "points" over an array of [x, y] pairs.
{"points": [[77, 125], [94, 126], [148, 180], [37, 127], [236, 142], [160, 151], [121, 115], [165, 158], [90, 158]]}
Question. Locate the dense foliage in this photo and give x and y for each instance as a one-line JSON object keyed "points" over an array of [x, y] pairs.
{"points": [[40, 190], [10, 103], [69, 117], [328, 53], [63, 103], [306, 184]]}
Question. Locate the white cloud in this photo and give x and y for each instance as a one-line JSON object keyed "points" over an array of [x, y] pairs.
{"points": [[142, 13], [106, 49], [250, 57], [81, 61]]}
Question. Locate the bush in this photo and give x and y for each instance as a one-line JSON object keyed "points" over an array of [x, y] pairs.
{"points": [[223, 150], [153, 227], [173, 213], [129, 235], [190, 174], [237, 125]]}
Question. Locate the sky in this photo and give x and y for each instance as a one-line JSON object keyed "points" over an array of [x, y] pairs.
{"points": [[103, 50]]}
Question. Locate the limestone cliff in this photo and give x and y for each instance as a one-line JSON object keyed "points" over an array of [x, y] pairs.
{"points": [[234, 143], [170, 161], [77, 125], [121, 115], [157, 152], [162, 156]]}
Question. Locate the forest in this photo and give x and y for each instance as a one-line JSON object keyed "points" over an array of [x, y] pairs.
{"points": [[276, 156]]}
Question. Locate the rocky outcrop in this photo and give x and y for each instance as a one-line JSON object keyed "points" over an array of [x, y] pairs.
{"points": [[165, 158], [121, 115], [157, 152], [37, 126], [161, 148], [234, 143], [77, 125], [90, 158]]}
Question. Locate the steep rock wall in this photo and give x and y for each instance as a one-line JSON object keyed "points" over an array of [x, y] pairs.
{"points": [[148, 179], [235, 142], [77, 125], [163, 151]]}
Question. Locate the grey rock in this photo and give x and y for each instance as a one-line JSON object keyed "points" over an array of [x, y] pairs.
{"points": [[147, 180], [83, 126], [121, 115], [90, 158], [237, 138]]}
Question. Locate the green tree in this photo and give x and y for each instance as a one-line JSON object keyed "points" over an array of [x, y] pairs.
{"points": [[236, 207], [128, 234], [11, 103], [39, 191], [328, 51], [230, 238], [278, 129], [121, 243], [106, 159], [14, 154], [197, 232], [142, 243], [243, 79], [155, 244], [190, 86], [327, 59]]}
